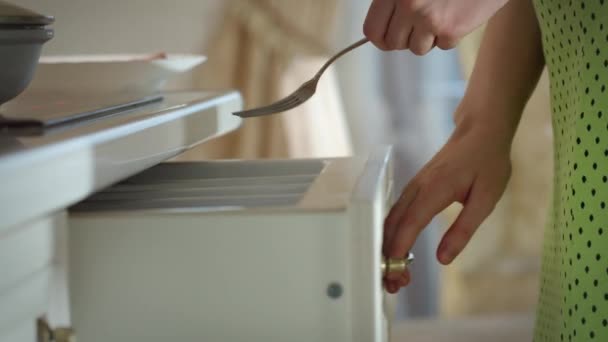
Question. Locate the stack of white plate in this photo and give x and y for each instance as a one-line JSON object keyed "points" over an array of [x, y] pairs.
{"points": [[110, 74]]}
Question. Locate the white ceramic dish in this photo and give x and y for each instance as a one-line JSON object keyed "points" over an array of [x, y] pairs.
{"points": [[110, 73]]}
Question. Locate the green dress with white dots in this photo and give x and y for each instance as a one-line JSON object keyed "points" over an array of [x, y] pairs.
{"points": [[573, 303]]}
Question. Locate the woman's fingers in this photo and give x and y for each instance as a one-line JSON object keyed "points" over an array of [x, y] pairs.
{"points": [[399, 30], [377, 22], [391, 286], [398, 281], [390, 24], [446, 42], [432, 197], [421, 41], [398, 25], [396, 213], [404, 278], [477, 208]]}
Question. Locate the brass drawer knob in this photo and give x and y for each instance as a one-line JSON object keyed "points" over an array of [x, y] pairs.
{"points": [[48, 334], [396, 265]]}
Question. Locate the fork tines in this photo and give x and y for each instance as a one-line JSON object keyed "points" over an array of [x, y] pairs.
{"points": [[277, 107]]}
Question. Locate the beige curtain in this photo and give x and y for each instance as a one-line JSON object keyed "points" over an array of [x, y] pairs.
{"points": [[498, 272], [253, 52]]}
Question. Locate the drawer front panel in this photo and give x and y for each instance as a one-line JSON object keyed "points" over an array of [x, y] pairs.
{"points": [[210, 278]]}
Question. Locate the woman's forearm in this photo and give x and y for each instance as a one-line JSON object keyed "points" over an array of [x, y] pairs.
{"points": [[506, 72]]}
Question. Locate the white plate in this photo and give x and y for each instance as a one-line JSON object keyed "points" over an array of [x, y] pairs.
{"points": [[110, 73]]}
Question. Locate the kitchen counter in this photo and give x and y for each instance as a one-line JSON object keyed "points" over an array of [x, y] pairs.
{"points": [[496, 329], [42, 174]]}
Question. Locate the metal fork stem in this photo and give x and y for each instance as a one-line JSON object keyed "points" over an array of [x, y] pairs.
{"points": [[340, 54], [302, 94]]}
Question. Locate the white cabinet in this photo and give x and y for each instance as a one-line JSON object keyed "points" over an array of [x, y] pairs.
{"points": [[233, 251], [26, 262], [214, 251]]}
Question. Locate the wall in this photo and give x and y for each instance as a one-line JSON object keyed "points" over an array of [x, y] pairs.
{"points": [[132, 26], [95, 26]]}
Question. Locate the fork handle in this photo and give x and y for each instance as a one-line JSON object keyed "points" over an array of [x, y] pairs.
{"points": [[338, 55]]}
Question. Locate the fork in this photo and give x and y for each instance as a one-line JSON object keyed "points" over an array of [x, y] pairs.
{"points": [[302, 94]]}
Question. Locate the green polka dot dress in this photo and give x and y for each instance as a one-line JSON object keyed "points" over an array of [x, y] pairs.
{"points": [[573, 303]]}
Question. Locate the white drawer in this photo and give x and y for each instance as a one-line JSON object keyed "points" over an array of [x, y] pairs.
{"points": [[233, 251]]}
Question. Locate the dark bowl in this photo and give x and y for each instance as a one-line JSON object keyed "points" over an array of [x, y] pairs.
{"points": [[20, 49]]}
